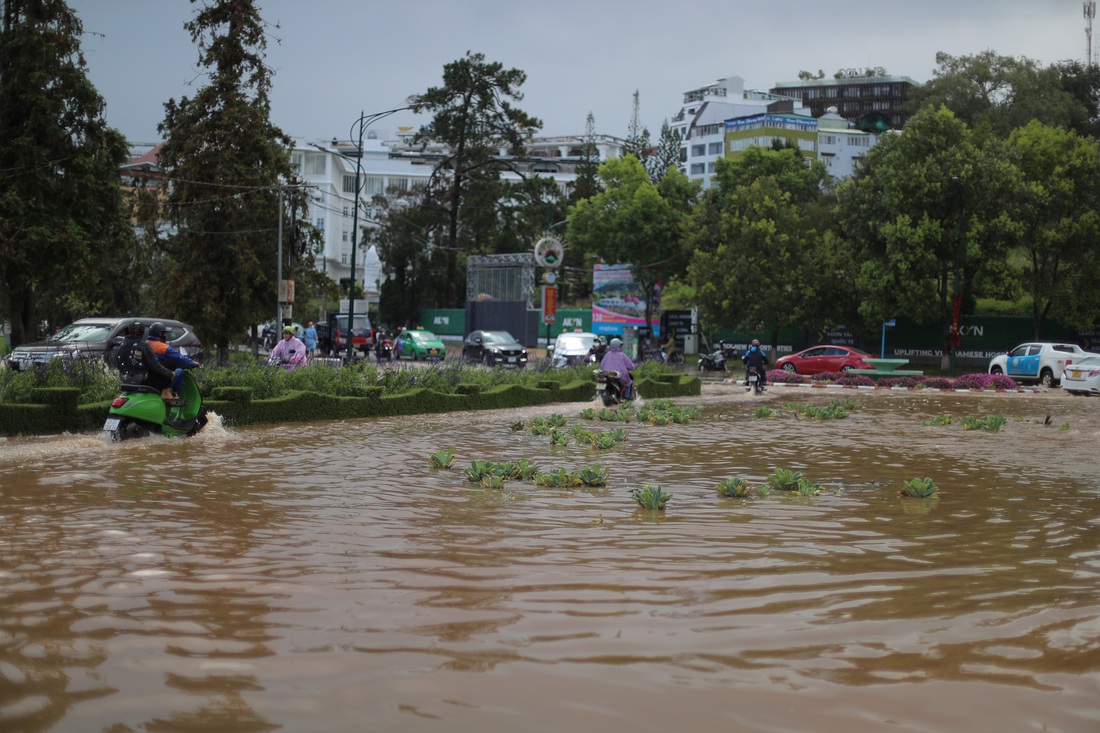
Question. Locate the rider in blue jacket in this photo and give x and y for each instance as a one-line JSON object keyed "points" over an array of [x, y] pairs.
{"points": [[755, 357]]}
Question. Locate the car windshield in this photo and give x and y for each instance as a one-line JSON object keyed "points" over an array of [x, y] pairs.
{"points": [[95, 333], [497, 337], [574, 343], [422, 335]]}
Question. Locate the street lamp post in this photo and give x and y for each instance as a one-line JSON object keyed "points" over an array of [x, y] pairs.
{"points": [[356, 132]]}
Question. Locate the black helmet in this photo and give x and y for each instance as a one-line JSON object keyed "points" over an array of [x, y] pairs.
{"points": [[157, 331], [135, 329]]}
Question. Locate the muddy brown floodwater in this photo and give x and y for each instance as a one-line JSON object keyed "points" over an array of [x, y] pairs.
{"points": [[321, 577]]}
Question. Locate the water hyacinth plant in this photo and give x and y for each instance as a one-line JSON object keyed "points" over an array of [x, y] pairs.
{"points": [[763, 411], [558, 437], [782, 479], [556, 420], [919, 488], [442, 459], [941, 419], [559, 478], [519, 425], [805, 487], [595, 475], [478, 470], [651, 496], [735, 488], [990, 423], [492, 481], [588, 413]]}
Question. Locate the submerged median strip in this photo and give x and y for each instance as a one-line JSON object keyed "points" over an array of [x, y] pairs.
{"points": [[73, 397]]}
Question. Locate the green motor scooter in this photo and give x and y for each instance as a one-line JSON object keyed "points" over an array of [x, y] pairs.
{"points": [[139, 411]]}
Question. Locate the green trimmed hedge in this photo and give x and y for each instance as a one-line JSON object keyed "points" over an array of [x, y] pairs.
{"points": [[59, 412]]}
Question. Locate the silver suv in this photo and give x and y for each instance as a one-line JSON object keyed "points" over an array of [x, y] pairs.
{"points": [[97, 338]]}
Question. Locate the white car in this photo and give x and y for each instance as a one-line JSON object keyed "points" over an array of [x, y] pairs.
{"points": [[1038, 361], [1082, 377], [570, 348]]}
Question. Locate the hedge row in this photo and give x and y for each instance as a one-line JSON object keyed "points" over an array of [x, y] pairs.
{"points": [[56, 410]]}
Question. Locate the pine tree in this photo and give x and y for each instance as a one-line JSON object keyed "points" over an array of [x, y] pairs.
{"points": [[66, 245], [225, 163], [637, 137], [587, 183], [667, 154]]}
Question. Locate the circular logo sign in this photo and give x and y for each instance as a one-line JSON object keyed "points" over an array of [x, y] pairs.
{"points": [[549, 251]]}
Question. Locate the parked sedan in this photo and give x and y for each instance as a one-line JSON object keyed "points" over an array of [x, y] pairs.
{"points": [[494, 347], [420, 344], [97, 338], [819, 359], [1082, 377], [1038, 361]]}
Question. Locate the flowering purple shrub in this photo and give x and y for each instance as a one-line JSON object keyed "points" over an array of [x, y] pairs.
{"points": [[776, 376], [984, 381], [936, 383], [856, 380], [826, 377], [906, 382]]}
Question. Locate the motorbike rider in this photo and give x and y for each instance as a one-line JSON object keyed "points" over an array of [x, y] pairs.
{"points": [[290, 351], [616, 360], [311, 339], [755, 357], [169, 357], [597, 352], [138, 365]]}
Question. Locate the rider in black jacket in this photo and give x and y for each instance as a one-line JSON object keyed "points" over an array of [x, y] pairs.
{"points": [[755, 357]]}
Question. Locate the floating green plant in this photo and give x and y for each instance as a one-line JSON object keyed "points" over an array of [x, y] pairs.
{"points": [[805, 487], [783, 480], [941, 419], [588, 414], [442, 459], [492, 481], [618, 434], [1064, 426], [919, 488], [558, 437], [604, 442], [763, 411], [523, 469], [990, 423], [556, 420], [558, 477], [651, 496], [540, 426], [478, 470], [594, 475], [519, 425], [835, 410], [735, 488]]}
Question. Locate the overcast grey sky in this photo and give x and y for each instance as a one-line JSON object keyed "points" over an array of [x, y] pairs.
{"points": [[335, 58]]}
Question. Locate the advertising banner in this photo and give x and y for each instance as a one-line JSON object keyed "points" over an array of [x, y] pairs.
{"points": [[617, 301]]}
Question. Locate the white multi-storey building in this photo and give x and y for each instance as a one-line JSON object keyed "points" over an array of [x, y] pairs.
{"points": [[390, 165], [701, 121]]}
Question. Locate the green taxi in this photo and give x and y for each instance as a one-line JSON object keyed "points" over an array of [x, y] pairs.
{"points": [[420, 344]]}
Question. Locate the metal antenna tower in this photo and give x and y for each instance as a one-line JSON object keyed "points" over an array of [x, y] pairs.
{"points": [[1090, 13]]}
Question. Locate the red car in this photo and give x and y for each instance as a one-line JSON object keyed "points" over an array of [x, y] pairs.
{"points": [[818, 359]]}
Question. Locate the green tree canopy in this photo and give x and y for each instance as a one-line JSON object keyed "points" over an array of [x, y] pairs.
{"points": [[474, 116], [67, 248], [760, 240], [632, 221], [926, 214], [1058, 210], [995, 94], [225, 163]]}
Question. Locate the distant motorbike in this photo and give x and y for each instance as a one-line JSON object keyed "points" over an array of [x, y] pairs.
{"points": [[383, 349], [288, 364], [728, 350], [754, 379], [140, 411], [609, 388], [712, 362]]}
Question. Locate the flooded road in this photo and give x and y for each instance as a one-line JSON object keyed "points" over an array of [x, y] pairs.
{"points": [[322, 577]]}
